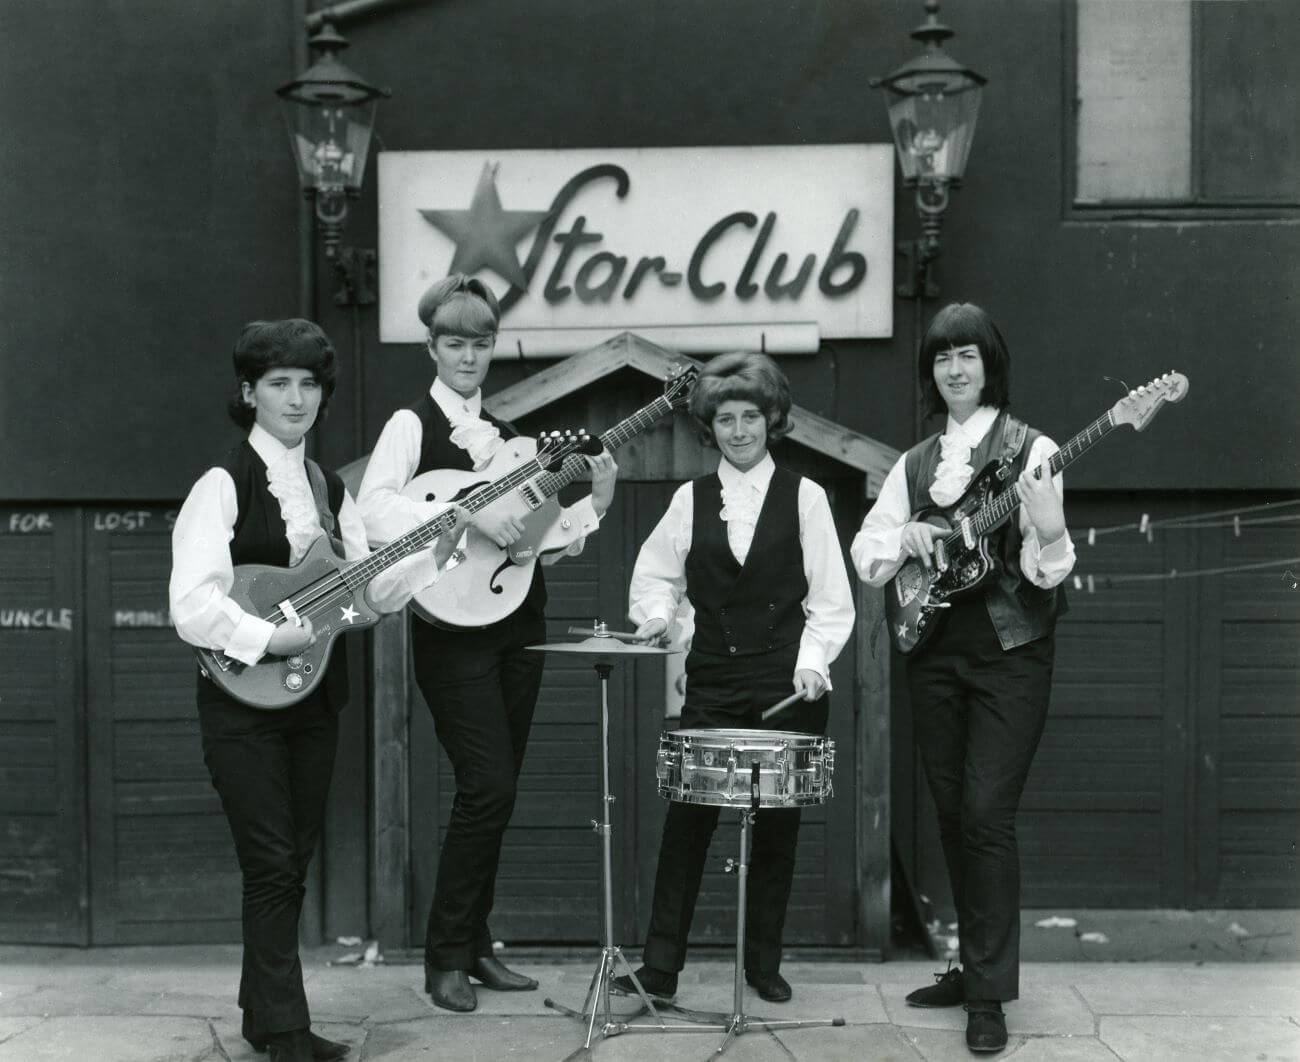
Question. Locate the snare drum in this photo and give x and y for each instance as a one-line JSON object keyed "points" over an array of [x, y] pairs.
{"points": [[716, 766]]}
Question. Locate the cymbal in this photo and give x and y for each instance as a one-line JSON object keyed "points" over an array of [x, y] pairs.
{"points": [[603, 647]]}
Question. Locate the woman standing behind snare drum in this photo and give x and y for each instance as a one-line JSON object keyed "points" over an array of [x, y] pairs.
{"points": [[754, 548]]}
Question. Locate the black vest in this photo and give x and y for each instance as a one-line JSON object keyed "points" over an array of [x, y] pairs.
{"points": [[260, 538], [438, 451], [754, 609], [1021, 612]]}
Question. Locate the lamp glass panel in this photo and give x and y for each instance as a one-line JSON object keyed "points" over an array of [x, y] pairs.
{"points": [[933, 129], [330, 142]]}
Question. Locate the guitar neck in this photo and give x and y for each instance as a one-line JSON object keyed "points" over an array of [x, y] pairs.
{"points": [[359, 574], [1000, 508], [575, 466]]}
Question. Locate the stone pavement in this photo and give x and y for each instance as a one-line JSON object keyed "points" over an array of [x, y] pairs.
{"points": [[177, 1005]]}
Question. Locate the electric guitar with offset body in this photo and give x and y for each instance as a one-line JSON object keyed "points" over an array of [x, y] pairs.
{"points": [[963, 562]]}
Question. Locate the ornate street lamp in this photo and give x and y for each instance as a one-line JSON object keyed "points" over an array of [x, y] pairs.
{"points": [[933, 103], [330, 111]]}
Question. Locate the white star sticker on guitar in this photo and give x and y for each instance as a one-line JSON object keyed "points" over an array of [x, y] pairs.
{"points": [[902, 630], [349, 613]]}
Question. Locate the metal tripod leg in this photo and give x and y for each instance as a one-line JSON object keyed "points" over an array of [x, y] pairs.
{"points": [[739, 1022]]}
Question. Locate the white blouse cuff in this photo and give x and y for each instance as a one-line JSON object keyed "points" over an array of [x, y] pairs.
{"points": [[249, 639]]}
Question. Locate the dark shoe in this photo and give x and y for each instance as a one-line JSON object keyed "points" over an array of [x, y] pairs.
{"points": [[450, 989], [496, 975], [986, 1026], [659, 985], [292, 1046], [772, 986], [322, 1050], [948, 991]]}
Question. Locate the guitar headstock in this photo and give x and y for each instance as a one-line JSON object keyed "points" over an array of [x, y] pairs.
{"points": [[678, 387], [1140, 406], [553, 447]]}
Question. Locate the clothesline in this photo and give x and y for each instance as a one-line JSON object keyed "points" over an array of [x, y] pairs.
{"points": [[1147, 526], [1091, 583]]}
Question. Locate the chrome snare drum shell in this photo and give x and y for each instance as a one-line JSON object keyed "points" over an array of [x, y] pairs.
{"points": [[701, 766]]}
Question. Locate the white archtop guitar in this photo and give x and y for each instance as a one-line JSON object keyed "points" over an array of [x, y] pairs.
{"points": [[490, 582]]}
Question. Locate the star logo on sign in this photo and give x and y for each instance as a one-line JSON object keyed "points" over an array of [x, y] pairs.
{"points": [[349, 613], [486, 234]]}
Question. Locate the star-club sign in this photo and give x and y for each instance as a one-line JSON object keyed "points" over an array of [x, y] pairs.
{"points": [[486, 234]]}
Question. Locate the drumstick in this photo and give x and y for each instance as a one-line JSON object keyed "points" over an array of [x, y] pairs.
{"points": [[781, 706]]}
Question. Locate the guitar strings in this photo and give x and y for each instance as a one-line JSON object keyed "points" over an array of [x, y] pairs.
{"points": [[329, 592]]}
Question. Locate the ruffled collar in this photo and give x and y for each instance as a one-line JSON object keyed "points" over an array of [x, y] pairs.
{"points": [[479, 438], [953, 473], [286, 479], [743, 492]]}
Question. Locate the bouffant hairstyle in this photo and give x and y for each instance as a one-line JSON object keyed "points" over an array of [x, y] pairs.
{"points": [[960, 324], [745, 376], [459, 305], [265, 345]]}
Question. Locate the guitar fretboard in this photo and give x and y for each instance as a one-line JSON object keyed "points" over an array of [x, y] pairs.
{"points": [[574, 465], [994, 513]]}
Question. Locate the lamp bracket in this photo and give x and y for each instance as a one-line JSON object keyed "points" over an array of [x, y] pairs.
{"points": [[354, 267]]}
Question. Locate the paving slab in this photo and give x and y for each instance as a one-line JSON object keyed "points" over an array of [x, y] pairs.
{"points": [[1135, 989], [851, 1043], [113, 1039], [10, 1027], [1168, 1039], [452, 1039]]}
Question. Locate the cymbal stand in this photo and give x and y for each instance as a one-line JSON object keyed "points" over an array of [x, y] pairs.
{"points": [[611, 955]]}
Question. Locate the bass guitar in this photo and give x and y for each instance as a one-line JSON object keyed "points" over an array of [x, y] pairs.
{"points": [[963, 562], [490, 582], [330, 591]]}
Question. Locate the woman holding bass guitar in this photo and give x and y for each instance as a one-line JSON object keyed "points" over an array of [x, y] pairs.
{"points": [[480, 683], [979, 687], [266, 503]]}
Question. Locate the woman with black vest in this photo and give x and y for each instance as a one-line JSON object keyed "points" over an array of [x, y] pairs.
{"points": [[979, 687], [753, 546], [480, 684], [265, 503]]}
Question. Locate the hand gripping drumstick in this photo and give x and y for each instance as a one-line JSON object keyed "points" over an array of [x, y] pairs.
{"points": [[781, 706]]}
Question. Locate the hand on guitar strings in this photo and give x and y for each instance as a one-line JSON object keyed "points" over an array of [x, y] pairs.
{"points": [[1042, 503], [448, 540], [502, 528], [918, 541], [603, 473], [289, 639]]}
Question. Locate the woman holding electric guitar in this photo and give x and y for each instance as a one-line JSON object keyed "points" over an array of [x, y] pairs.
{"points": [[479, 682], [265, 503], [980, 683]]}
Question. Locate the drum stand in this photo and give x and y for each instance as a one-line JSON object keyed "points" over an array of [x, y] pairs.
{"points": [[738, 1021]]}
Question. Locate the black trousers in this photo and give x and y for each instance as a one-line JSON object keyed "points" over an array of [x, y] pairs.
{"points": [[481, 688], [979, 713], [272, 772], [723, 693]]}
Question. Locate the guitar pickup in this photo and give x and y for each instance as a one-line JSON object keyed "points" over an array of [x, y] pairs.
{"points": [[967, 533], [532, 498], [289, 612], [940, 555]]}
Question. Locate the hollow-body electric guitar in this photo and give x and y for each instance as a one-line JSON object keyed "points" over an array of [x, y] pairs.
{"points": [[331, 592], [490, 582], [963, 561]]}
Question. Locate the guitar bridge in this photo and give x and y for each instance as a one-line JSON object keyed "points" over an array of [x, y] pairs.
{"points": [[532, 497]]}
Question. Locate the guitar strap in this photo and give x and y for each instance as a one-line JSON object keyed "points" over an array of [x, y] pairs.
{"points": [[320, 492], [1013, 440]]}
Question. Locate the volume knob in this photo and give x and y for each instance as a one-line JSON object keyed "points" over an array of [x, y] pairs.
{"points": [[293, 680]]}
